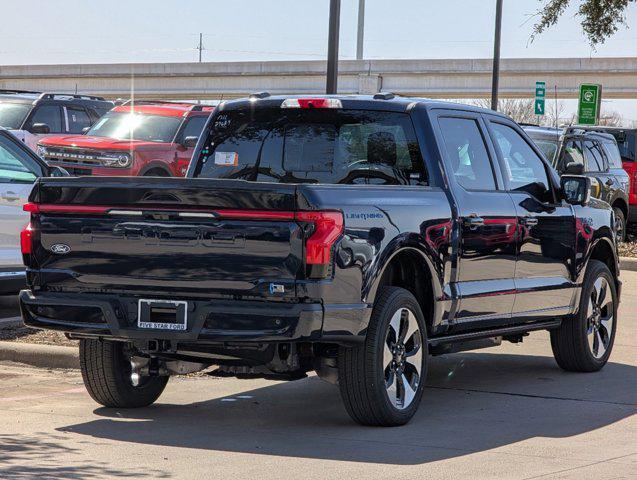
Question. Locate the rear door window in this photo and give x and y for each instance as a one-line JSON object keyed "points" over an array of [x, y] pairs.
{"points": [[49, 115], [78, 119], [313, 146], [193, 128], [612, 154], [594, 156]]}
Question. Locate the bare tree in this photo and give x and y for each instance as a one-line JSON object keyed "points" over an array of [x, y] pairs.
{"points": [[521, 110], [600, 18], [611, 119], [554, 114]]}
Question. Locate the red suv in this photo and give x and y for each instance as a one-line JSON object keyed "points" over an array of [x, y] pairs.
{"points": [[150, 138]]}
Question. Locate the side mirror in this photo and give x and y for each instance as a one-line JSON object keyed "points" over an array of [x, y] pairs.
{"points": [[41, 128], [573, 168], [58, 172], [85, 129], [576, 189], [190, 142]]}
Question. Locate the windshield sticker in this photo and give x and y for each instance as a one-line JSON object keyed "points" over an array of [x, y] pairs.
{"points": [[227, 159]]}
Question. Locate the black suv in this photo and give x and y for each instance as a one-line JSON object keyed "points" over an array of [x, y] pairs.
{"points": [[576, 151], [31, 115]]}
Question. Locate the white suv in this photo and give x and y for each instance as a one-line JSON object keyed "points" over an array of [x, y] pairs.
{"points": [[19, 168]]}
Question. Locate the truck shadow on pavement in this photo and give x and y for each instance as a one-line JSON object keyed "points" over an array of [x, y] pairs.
{"points": [[474, 402], [46, 456]]}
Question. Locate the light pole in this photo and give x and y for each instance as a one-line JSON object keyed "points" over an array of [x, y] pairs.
{"points": [[361, 30], [332, 47], [496, 56]]}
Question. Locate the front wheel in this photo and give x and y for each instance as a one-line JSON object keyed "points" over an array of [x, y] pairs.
{"points": [[620, 224], [584, 343], [108, 376], [381, 381]]}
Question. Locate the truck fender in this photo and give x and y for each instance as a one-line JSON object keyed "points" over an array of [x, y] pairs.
{"points": [[155, 165], [411, 244]]}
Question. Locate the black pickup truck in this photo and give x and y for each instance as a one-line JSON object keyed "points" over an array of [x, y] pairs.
{"points": [[350, 236]]}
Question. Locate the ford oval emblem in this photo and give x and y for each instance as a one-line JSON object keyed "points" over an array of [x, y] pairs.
{"points": [[60, 248]]}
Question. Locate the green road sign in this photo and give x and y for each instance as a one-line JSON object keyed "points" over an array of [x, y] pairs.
{"points": [[540, 95], [590, 99]]}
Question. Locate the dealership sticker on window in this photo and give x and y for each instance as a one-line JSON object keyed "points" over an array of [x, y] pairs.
{"points": [[227, 159]]}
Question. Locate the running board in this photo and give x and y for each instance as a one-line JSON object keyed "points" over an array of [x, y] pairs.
{"points": [[495, 332]]}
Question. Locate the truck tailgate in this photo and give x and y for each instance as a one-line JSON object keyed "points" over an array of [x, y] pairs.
{"points": [[191, 236]]}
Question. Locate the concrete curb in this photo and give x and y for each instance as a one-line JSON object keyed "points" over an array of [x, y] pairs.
{"points": [[46, 356], [628, 263]]}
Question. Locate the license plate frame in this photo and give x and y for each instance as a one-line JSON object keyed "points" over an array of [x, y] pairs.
{"points": [[149, 309]]}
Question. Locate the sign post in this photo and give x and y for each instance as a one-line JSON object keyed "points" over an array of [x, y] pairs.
{"points": [[540, 97], [590, 100]]}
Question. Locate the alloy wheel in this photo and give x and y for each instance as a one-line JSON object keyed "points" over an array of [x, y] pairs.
{"points": [[402, 358], [600, 318]]}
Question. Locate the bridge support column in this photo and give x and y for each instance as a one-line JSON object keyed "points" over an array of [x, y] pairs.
{"points": [[369, 84]]}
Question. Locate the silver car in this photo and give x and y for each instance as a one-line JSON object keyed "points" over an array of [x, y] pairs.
{"points": [[19, 169]]}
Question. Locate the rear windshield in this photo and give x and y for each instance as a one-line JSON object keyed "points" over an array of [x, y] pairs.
{"points": [[12, 115], [312, 146]]}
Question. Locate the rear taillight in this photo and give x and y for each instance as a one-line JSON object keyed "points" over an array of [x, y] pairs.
{"points": [[26, 240], [327, 228], [312, 103]]}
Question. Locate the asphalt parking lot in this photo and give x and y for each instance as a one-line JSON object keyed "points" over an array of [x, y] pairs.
{"points": [[505, 413]]}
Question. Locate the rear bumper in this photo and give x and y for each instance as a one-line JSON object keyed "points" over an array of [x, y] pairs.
{"points": [[209, 321]]}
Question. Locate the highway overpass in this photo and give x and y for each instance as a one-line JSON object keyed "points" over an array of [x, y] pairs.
{"points": [[454, 78]]}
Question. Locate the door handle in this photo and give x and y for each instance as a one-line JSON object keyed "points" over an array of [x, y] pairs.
{"points": [[530, 221], [609, 182], [10, 196], [473, 221]]}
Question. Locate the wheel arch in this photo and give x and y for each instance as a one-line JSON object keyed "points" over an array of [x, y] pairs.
{"points": [[410, 266], [622, 204], [155, 165], [603, 249]]}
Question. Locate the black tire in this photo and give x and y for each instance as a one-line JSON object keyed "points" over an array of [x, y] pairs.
{"points": [[570, 342], [361, 369], [106, 372], [620, 220], [156, 172]]}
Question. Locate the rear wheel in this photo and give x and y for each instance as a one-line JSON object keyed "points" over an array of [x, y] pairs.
{"points": [[584, 343], [381, 381], [108, 376]]}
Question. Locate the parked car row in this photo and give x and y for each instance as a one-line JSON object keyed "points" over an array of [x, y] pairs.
{"points": [[32, 116], [87, 135], [578, 151], [147, 138]]}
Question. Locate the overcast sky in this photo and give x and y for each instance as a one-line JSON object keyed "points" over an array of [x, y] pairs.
{"points": [[79, 31]]}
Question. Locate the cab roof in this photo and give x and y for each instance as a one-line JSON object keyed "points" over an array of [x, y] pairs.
{"points": [[574, 131], [379, 101], [162, 108]]}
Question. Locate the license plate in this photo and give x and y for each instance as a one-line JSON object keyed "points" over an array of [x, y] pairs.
{"points": [[162, 315]]}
